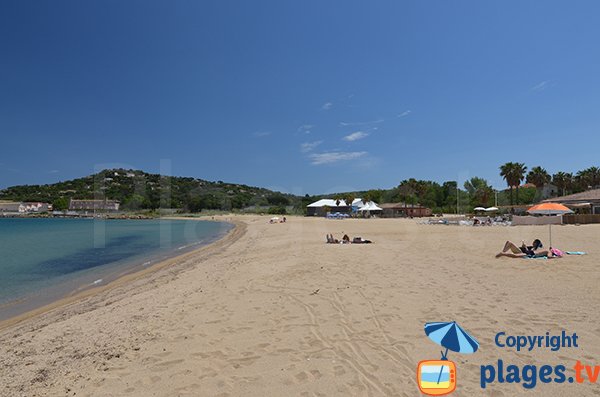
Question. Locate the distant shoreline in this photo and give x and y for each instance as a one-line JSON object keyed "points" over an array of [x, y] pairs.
{"points": [[126, 275], [81, 216]]}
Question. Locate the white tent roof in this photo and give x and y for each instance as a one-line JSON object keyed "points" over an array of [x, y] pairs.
{"points": [[327, 202], [370, 206], [332, 203]]}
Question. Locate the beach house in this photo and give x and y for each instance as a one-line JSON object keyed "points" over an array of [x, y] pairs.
{"points": [[588, 201], [13, 208], [396, 210]]}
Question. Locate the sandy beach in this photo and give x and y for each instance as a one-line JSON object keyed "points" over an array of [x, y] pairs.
{"points": [[271, 310]]}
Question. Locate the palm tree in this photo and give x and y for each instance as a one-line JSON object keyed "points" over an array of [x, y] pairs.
{"points": [[405, 190], [349, 198], [594, 176], [539, 177], [588, 178], [563, 181], [513, 173], [507, 171], [519, 170], [366, 198]]}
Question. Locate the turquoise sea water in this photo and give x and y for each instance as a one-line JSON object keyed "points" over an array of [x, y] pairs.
{"points": [[42, 260]]}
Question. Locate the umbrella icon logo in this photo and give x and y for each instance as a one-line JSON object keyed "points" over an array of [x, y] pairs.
{"points": [[438, 377]]}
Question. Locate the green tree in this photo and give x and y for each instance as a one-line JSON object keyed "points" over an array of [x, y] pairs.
{"points": [[479, 190], [306, 200], [60, 204], [278, 199], [513, 174], [135, 202], [563, 181], [520, 170], [338, 199], [588, 178], [366, 197], [538, 176], [277, 210], [406, 191], [375, 195], [349, 198]]}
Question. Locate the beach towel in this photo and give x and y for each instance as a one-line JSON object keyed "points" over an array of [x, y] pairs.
{"points": [[576, 253], [535, 257]]}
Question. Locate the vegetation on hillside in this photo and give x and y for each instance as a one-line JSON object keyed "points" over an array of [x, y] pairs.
{"points": [[138, 190]]}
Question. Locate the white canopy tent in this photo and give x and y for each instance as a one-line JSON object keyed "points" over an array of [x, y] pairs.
{"points": [[370, 206], [333, 203]]}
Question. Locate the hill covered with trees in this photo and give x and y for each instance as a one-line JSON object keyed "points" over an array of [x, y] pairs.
{"points": [[138, 190]]}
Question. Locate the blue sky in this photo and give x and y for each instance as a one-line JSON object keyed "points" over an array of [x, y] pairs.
{"points": [[305, 97]]}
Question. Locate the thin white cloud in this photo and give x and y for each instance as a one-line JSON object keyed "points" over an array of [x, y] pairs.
{"points": [[262, 134], [334, 157], [53, 171], [404, 114], [327, 106], [309, 146], [350, 124], [355, 136], [541, 86], [306, 128]]}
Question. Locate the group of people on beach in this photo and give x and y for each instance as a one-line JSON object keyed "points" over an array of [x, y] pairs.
{"points": [[511, 250], [346, 240], [277, 220]]}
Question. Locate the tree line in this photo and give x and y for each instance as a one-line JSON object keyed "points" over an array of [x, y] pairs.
{"points": [[448, 197], [566, 182]]}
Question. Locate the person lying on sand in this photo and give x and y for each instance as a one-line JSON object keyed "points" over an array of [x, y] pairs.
{"points": [[554, 253], [331, 240], [525, 251], [346, 240]]}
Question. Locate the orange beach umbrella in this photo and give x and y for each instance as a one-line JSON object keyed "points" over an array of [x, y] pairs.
{"points": [[549, 209]]}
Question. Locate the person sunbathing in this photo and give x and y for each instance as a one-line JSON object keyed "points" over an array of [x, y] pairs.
{"points": [[360, 240], [522, 251], [332, 240]]}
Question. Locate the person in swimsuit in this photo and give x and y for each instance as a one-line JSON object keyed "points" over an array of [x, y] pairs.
{"points": [[522, 251]]}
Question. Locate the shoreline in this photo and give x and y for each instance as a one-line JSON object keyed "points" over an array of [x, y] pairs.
{"points": [[84, 292]]}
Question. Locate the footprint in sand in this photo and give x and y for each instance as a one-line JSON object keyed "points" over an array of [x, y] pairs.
{"points": [[165, 365]]}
